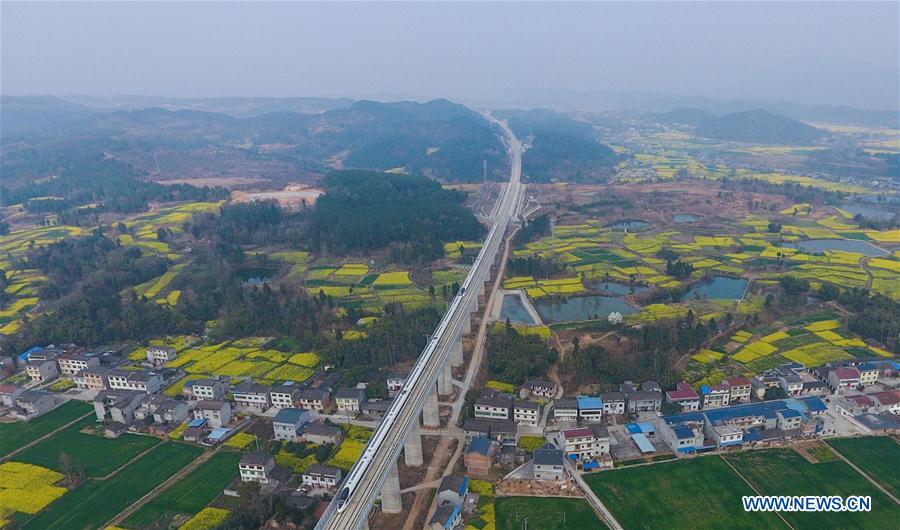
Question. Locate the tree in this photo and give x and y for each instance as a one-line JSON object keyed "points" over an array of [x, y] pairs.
{"points": [[794, 284], [775, 392]]}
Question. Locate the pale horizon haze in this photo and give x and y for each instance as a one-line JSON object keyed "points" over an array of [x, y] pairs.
{"points": [[837, 53]]}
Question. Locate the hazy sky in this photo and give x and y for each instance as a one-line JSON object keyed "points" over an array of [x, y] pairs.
{"points": [[840, 53]]}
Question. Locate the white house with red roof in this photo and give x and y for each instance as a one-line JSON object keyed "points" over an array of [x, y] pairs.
{"points": [[684, 396], [841, 379], [740, 388]]}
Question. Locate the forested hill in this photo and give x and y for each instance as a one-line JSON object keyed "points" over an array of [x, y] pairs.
{"points": [[560, 147], [369, 210], [438, 138], [759, 126]]}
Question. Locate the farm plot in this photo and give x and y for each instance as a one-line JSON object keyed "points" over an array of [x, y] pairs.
{"points": [[653, 496], [97, 501], [705, 356], [785, 472], [544, 513], [242, 359], [16, 435], [189, 495], [94, 453], [352, 447], [870, 454], [351, 285], [26, 489], [753, 351], [207, 518], [816, 354]]}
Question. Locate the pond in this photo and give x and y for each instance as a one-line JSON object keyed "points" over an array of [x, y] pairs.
{"points": [[617, 289], [630, 225], [514, 310], [256, 275], [847, 245], [718, 288], [869, 212], [685, 218], [582, 308]]}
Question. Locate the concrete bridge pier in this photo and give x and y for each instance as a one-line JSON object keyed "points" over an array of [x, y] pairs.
{"points": [[431, 414], [445, 380], [456, 353], [390, 492], [412, 448]]}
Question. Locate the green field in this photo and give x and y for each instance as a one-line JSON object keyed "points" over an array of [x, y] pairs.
{"points": [[13, 436], [784, 472], [697, 493], [95, 454], [189, 495], [94, 503], [545, 513], [874, 455]]}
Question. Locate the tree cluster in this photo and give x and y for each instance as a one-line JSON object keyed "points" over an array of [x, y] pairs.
{"points": [[679, 269], [514, 357], [368, 210]]}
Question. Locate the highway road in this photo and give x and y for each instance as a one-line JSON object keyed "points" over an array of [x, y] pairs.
{"points": [[380, 456]]}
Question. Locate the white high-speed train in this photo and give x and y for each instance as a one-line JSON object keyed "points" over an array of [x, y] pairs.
{"points": [[388, 422]]}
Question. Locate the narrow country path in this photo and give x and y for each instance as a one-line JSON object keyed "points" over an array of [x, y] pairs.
{"points": [[863, 473], [138, 504], [44, 437]]}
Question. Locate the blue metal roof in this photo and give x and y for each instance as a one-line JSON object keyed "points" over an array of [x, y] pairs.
{"points": [[199, 422], [866, 367], [790, 413], [589, 402], [676, 419], [765, 409], [704, 389], [683, 432], [643, 443], [815, 405], [217, 434], [289, 415], [591, 465], [24, 356], [480, 444], [645, 427], [752, 435]]}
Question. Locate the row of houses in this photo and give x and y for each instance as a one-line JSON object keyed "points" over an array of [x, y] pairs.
{"points": [[26, 404], [87, 368], [499, 407], [589, 443], [732, 390], [765, 422], [630, 398], [296, 425]]}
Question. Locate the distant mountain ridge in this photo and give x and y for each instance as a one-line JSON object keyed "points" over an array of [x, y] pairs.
{"points": [[760, 126], [438, 138], [560, 146], [239, 107]]}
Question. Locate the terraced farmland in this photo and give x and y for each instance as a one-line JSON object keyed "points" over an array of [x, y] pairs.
{"points": [[242, 358]]}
